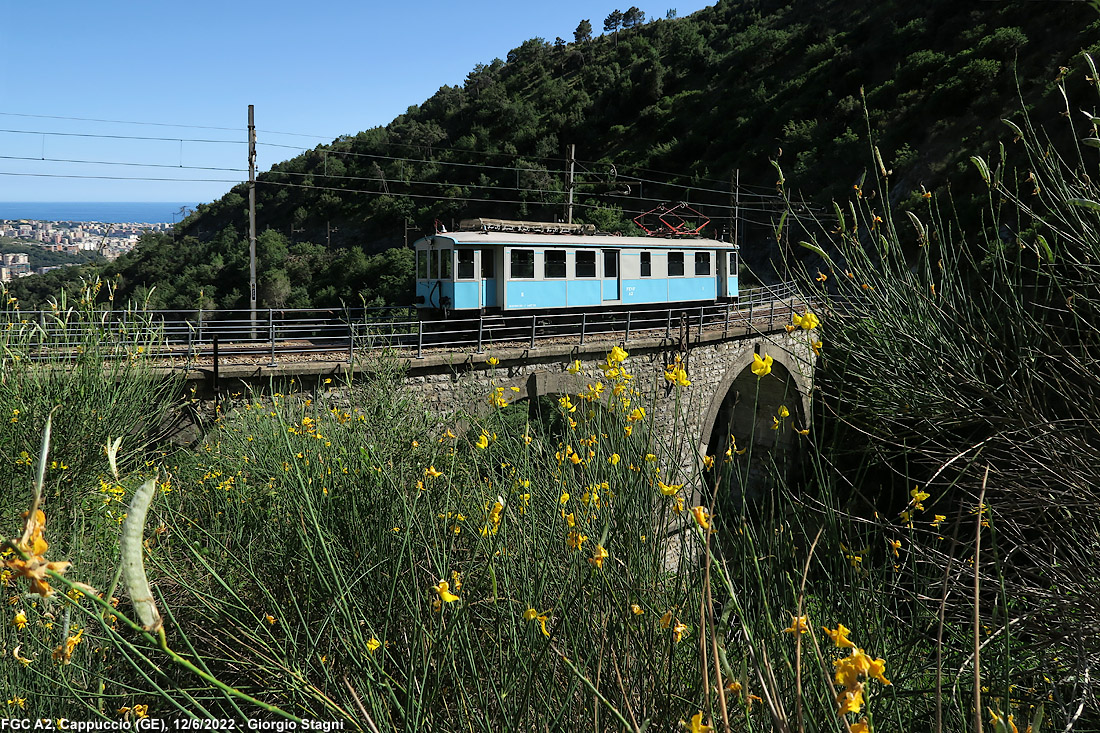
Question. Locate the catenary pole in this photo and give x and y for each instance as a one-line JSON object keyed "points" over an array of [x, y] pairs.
{"points": [[569, 206], [252, 216]]}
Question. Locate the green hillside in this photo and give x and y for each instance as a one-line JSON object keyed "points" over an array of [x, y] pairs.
{"points": [[668, 110]]}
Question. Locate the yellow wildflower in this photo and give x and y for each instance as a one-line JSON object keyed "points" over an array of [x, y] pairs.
{"points": [[20, 620], [708, 461], [270, 619], [697, 725], [483, 441], [678, 631], [675, 374], [895, 545], [849, 701], [598, 556], [575, 540], [142, 711], [64, 652], [636, 609], [432, 473], [617, 356], [701, 516], [444, 591], [918, 497], [666, 619], [373, 644], [34, 545], [667, 489], [839, 635], [799, 625], [492, 361], [762, 367], [783, 411], [532, 615], [575, 367], [809, 321], [614, 459]]}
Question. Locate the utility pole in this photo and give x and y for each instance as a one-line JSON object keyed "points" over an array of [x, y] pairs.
{"points": [[252, 216], [569, 205]]}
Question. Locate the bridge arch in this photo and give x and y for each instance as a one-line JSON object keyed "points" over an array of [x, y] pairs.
{"points": [[743, 407]]}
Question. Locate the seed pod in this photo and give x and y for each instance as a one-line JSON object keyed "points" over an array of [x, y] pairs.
{"points": [[133, 563]]}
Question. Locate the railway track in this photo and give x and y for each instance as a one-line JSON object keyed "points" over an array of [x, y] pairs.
{"points": [[185, 338]]}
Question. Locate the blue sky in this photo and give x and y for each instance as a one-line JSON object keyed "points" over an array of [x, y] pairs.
{"points": [[319, 69]]}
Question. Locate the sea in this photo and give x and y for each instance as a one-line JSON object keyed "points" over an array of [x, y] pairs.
{"points": [[107, 212]]}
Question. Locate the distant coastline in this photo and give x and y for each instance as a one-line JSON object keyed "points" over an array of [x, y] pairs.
{"points": [[108, 212]]}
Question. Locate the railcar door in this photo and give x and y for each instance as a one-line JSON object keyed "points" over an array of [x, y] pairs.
{"points": [[611, 278]]}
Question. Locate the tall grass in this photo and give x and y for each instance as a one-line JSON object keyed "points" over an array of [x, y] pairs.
{"points": [[961, 363]]}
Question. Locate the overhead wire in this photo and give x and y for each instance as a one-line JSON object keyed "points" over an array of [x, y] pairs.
{"points": [[440, 184], [121, 137], [388, 158], [162, 124], [344, 138], [119, 162]]}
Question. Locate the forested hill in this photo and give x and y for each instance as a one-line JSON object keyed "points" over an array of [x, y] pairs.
{"points": [[665, 110]]}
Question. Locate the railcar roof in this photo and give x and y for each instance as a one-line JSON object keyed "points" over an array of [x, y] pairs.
{"points": [[603, 241]]}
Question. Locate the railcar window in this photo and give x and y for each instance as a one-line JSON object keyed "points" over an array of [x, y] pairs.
{"points": [[445, 262], [465, 264], [675, 264], [555, 263], [433, 263], [610, 264], [702, 263], [733, 263], [422, 264], [586, 264], [523, 263], [647, 264], [487, 263]]}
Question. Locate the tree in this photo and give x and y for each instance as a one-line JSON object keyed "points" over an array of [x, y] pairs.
{"points": [[671, 14], [612, 22], [583, 32], [633, 18]]}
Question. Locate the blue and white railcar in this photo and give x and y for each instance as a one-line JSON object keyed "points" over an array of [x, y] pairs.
{"points": [[509, 266]]}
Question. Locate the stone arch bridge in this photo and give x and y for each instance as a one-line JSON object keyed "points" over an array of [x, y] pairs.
{"points": [[725, 397]]}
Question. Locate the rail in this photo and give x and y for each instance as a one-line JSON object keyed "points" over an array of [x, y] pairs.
{"points": [[195, 335]]}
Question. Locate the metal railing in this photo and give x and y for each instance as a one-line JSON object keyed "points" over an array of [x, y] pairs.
{"points": [[198, 334]]}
